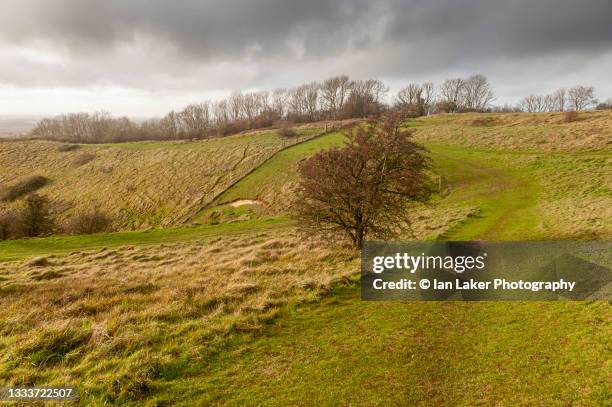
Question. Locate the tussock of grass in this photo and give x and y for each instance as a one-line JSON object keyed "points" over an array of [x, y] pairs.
{"points": [[104, 310], [83, 159], [62, 148], [38, 262], [52, 344]]}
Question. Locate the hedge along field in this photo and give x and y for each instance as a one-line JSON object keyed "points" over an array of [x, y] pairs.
{"points": [[140, 184]]}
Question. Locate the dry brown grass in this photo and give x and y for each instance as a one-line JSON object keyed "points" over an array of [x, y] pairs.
{"points": [[61, 317], [141, 184], [518, 131]]}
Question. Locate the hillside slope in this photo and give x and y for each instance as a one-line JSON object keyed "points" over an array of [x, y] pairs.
{"points": [[139, 184], [518, 131], [493, 165]]}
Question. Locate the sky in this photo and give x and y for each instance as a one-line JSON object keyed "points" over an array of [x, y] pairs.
{"points": [[142, 58]]}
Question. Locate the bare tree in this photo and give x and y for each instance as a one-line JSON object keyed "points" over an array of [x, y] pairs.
{"points": [[195, 119], [451, 91], [535, 103], [235, 105], [429, 97], [366, 188], [416, 100], [333, 93], [311, 100], [170, 125], [279, 101], [581, 97], [477, 93], [409, 96], [378, 90], [560, 96]]}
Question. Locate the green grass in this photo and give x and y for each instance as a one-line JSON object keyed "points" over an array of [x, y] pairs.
{"points": [[526, 195], [268, 180], [342, 350], [505, 196], [346, 351], [23, 248], [349, 352]]}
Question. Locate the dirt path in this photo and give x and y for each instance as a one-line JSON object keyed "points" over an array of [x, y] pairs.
{"points": [[505, 198]]}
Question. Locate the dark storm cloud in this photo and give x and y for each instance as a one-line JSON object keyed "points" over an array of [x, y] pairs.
{"points": [[208, 29], [268, 28], [220, 45]]}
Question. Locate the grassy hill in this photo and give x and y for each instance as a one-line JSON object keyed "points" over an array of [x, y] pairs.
{"points": [[253, 312], [519, 131], [139, 184]]}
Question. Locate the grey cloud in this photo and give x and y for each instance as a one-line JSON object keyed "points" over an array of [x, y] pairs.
{"points": [[229, 29], [280, 42]]}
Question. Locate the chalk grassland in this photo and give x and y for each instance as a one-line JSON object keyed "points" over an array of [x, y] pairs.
{"points": [[90, 319], [254, 313], [519, 131], [531, 195], [552, 178], [140, 184]]}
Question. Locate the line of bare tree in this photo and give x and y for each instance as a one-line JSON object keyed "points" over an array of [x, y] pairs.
{"points": [[576, 98], [472, 94], [335, 98]]}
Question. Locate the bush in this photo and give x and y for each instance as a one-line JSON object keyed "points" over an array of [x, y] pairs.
{"points": [[571, 116], [10, 225], [83, 159], [286, 131], [36, 217], [92, 221], [67, 147], [483, 122], [23, 187]]}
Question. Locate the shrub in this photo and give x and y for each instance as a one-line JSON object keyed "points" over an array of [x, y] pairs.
{"points": [[483, 122], [571, 116], [23, 187], [67, 147], [10, 225], [83, 159], [36, 217], [92, 221], [286, 131]]}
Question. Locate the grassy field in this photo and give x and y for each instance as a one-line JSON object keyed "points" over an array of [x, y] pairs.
{"points": [[11, 250], [253, 313]]}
